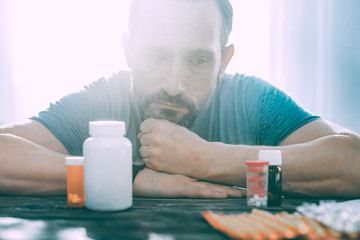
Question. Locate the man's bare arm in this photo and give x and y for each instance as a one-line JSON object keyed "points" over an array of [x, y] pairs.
{"points": [[319, 159], [149, 183], [32, 163], [32, 160]]}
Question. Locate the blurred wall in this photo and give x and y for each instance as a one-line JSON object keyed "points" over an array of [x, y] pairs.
{"points": [[313, 54], [7, 98], [316, 53]]}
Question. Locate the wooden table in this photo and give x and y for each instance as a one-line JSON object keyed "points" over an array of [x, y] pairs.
{"points": [[156, 219]]}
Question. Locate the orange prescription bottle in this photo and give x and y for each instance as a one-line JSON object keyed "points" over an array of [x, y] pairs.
{"points": [[257, 183], [75, 181]]}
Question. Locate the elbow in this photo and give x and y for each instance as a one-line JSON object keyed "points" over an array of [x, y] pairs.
{"points": [[347, 159], [10, 180], [347, 146]]}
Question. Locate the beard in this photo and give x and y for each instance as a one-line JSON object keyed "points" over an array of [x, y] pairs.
{"points": [[193, 108]]}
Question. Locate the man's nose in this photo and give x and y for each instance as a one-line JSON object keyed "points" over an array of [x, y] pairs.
{"points": [[173, 84]]}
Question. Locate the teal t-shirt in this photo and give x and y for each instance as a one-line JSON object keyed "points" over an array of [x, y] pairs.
{"points": [[243, 110], [250, 111]]}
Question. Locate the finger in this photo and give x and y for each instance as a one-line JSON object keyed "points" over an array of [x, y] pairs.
{"points": [[208, 193], [230, 191], [145, 139], [149, 163], [236, 193], [139, 135], [195, 191], [147, 125], [144, 152]]}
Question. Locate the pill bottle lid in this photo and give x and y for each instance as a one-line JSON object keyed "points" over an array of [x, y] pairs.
{"points": [[257, 166], [256, 163], [108, 128], [74, 161], [272, 156]]}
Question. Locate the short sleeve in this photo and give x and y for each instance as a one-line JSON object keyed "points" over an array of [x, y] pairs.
{"points": [[247, 110], [68, 119], [279, 114]]}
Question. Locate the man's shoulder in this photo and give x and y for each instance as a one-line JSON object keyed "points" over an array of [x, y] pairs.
{"points": [[243, 85], [121, 79], [231, 80]]}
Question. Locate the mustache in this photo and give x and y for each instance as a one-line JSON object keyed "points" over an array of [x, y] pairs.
{"points": [[162, 97]]}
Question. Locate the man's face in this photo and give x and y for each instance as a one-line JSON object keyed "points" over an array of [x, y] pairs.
{"points": [[175, 57]]}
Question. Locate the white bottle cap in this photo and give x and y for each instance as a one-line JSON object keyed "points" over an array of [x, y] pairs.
{"points": [[272, 156], [74, 161], [108, 128]]}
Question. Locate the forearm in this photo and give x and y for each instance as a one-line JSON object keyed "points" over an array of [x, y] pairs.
{"points": [[328, 166], [30, 169]]}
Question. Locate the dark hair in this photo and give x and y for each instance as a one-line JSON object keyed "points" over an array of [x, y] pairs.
{"points": [[224, 6]]}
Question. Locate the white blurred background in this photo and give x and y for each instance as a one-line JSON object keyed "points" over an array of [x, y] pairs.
{"points": [[308, 48]]}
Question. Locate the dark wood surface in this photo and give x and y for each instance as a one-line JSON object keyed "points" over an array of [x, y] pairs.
{"points": [[50, 218]]}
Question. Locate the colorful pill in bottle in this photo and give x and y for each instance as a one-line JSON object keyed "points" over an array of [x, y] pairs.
{"points": [[275, 181], [75, 181], [257, 183]]}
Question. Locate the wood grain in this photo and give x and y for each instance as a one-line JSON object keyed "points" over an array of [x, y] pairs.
{"points": [[176, 218]]}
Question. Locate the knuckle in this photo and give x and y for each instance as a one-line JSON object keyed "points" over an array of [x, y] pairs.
{"points": [[144, 140], [141, 151], [157, 127], [152, 164], [142, 126], [148, 163], [155, 152], [157, 141]]}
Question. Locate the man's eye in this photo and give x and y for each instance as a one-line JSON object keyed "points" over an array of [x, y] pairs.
{"points": [[199, 60]]}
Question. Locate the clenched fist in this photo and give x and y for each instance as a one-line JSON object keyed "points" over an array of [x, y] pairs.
{"points": [[170, 148]]}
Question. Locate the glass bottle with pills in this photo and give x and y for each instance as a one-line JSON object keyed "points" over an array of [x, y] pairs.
{"points": [[275, 175]]}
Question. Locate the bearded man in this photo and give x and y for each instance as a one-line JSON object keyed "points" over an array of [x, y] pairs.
{"points": [[193, 125]]}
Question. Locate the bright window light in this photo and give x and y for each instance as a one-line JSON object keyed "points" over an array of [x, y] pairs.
{"points": [[60, 46]]}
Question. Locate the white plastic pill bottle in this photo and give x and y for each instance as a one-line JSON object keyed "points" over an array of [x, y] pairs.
{"points": [[107, 167]]}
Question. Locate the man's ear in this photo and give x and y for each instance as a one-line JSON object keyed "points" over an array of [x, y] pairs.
{"points": [[228, 52], [127, 50]]}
